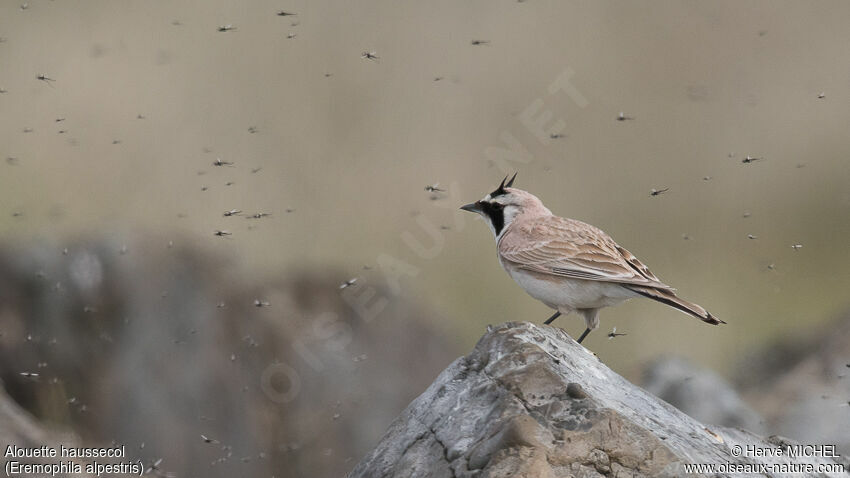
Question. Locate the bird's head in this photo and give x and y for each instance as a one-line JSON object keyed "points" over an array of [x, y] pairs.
{"points": [[502, 206]]}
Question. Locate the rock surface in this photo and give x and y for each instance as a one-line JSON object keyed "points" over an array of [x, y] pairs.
{"points": [[529, 401], [18, 428], [154, 344], [802, 385], [700, 393]]}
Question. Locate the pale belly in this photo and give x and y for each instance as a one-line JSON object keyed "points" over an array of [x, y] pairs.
{"points": [[565, 294]]}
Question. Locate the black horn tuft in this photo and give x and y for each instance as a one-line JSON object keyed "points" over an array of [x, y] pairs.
{"points": [[501, 189]]}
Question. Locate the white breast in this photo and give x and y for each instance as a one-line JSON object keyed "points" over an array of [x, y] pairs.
{"points": [[566, 294]]}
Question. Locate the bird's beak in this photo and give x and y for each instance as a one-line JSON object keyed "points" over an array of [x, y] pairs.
{"points": [[471, 207]]}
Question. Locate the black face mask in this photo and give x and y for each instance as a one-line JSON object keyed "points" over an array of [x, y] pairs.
{"points": [[496, 213]]}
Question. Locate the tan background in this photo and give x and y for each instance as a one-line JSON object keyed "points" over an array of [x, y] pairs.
{"points": [[352, 152]]}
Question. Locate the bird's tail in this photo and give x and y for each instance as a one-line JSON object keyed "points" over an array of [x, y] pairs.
{"points": [[669, 298]]}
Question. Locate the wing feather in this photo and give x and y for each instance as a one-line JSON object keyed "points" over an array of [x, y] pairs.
{"points": [[569, 248]]}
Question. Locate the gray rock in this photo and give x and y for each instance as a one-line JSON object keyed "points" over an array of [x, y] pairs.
{"points": [[700, 393], [151, 346], [530, 401], [19, 428], [802, 385]]}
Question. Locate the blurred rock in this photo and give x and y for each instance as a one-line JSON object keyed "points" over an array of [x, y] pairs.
{"points": [[530, 401], [802, 386], [17, 427], [700, 393], [152, 346]]}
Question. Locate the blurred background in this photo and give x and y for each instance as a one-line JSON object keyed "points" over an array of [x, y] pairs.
{"points": [[133, 310]]}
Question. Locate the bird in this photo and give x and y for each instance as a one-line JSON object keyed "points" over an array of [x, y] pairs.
{"points": [[567, 264]]}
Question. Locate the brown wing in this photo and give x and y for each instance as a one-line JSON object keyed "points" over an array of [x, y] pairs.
{"points": [[569, 248]]}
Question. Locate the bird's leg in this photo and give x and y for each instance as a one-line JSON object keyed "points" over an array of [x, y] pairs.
{"points": [[554, 316], [591, 319]]}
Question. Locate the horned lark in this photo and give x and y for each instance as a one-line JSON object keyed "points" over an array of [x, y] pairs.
{"points": [[567, 264]]}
